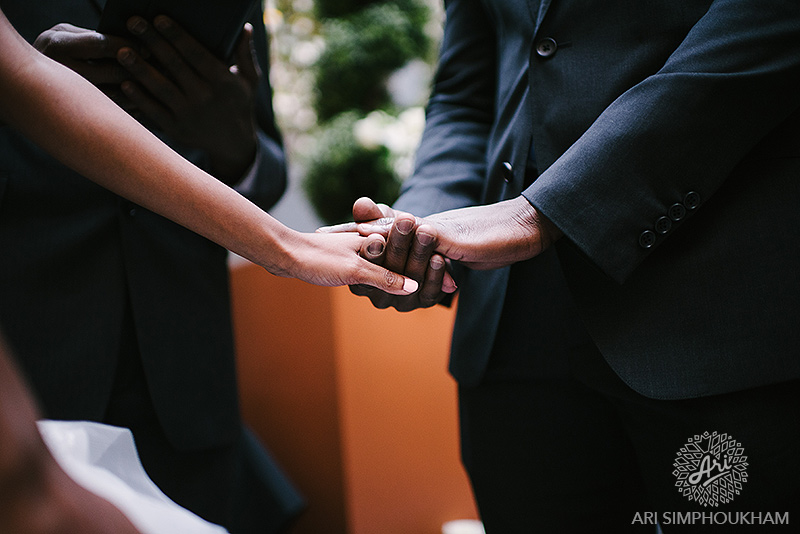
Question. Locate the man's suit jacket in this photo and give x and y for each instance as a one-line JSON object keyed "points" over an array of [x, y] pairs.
{"points": [[75, 256], [667, 141]]}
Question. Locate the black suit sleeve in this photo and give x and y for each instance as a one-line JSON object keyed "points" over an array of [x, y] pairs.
{"points": [[732, 80], [451, 160], [269, 182]]}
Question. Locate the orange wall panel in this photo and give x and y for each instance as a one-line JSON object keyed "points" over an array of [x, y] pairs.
{"points": [[354, 402]]}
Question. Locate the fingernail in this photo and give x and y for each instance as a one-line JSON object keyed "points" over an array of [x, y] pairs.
{"points": [[137, 25], [375, 248], [410, 286], [437, 263], [405, 226], [424, 239], [125, 56], [162, 22]]}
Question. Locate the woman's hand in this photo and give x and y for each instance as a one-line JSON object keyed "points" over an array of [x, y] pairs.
{"points": [[334, 259]]}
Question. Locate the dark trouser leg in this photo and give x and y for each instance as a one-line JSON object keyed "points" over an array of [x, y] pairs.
{"points": [[549, 456], [197, 480], [763, 420]]}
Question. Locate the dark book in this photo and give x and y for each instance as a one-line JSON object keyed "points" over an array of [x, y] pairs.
{"points": [[216, 24]]}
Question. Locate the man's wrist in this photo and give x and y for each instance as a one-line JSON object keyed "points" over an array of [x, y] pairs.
{"points": [[549, 233]]}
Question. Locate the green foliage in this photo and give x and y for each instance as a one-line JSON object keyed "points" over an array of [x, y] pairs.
{"points": [[365, 42], [341, 170], [362, 50], [328, 9]]}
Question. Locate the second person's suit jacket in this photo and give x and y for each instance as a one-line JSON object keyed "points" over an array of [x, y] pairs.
{"points": [[666, 138]]}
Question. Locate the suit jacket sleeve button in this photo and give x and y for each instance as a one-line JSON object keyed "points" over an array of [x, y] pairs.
{"points": [[647, 239], [508, 172], [676, 212], [663, 225], [691, 200], [546, 47]]}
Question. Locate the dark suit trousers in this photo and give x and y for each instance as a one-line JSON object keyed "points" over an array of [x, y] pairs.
{"points": [[579, 451], [200, 481]]}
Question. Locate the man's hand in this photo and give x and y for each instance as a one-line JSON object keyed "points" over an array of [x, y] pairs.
{"points": [[406, 251], [494, 235], [479, 237], [192, 96], [90, 54]]}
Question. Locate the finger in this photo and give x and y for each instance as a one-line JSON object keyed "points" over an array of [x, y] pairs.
{"points": [[384, 279], [372, 248], [431, 289], [364, 209], [449, 283], [379, 299], [379, 226], [399, 242], [158, 85], [338, 228], [67, 41], [191, 56], [170, 61], [245, 56], [419, 256]]}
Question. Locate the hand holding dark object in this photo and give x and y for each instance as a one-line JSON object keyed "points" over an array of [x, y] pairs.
{"points": [[90, 54], [195, 98]]}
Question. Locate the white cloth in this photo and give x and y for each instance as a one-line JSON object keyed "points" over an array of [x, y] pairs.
{"points": [[103, 459]]}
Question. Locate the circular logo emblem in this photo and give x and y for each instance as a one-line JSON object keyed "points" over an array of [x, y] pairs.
{"points": [[710, 469]]}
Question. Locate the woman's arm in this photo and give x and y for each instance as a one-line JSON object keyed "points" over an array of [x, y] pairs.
{"points": [[77, 124]]}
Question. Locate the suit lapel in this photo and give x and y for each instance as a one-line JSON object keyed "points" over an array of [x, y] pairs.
{"points": [[538, 9]]}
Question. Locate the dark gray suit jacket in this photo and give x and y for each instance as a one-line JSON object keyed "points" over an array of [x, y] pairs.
{"points": [[73, 254], [667, 139]]}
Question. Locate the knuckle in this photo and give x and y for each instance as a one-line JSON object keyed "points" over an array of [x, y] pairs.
{"points": [[390, 278], [418, 256]]}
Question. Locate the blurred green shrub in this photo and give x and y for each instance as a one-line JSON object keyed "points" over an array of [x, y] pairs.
{"points": [[341, 170], [361, 51], [365, 42]]}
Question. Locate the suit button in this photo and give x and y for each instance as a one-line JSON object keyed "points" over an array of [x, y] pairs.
{"points": [[647, 239], [676, 212], [663, 225], [508, 172], [691, 200], [546, 47]]}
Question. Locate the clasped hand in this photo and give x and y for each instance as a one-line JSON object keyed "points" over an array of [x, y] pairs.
{"points": [[166, 79], [479, 237]]}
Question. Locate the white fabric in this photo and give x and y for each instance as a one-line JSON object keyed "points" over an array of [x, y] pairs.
{"points": [[463, 526], [103, 459]]}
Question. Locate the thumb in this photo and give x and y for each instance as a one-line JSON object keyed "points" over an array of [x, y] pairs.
{"points": [[384, 279], [365, 209], [245, 56]]}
